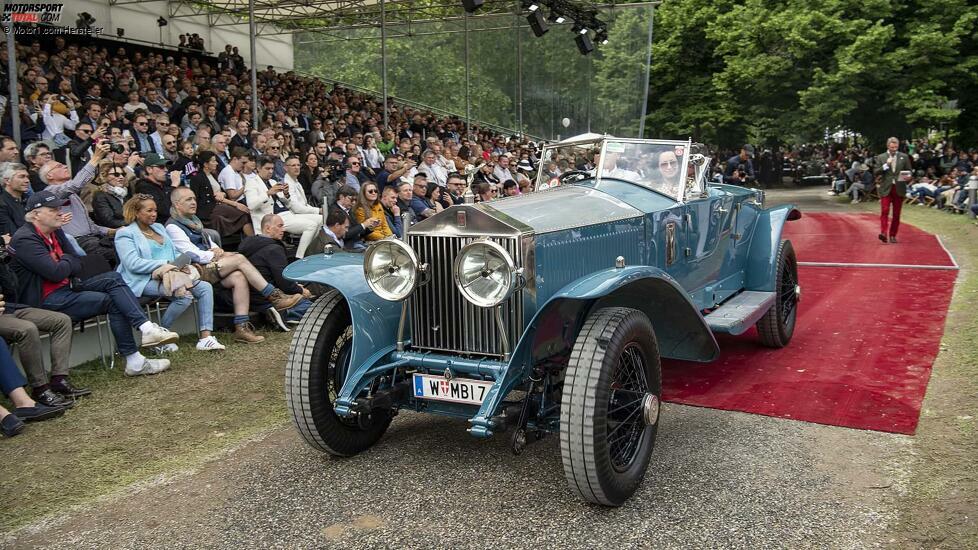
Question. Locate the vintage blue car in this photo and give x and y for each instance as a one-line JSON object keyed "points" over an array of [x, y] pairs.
{"points": [[547, 312]]}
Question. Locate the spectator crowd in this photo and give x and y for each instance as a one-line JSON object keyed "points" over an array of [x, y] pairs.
{"points": [[140, 179]]}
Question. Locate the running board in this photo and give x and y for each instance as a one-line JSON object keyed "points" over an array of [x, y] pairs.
{"points": [[740, 312]]}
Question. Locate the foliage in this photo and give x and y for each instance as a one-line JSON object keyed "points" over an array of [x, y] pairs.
{"points": [[767, 71]]}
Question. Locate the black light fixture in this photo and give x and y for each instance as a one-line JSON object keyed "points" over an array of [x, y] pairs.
{"points": [[84, 21], [471, 6], [579, 28], [537, 23], [530, 5], [601, 36], [584, 44], [120, 32], [161, 22]]}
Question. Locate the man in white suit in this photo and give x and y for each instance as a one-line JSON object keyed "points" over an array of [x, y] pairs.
{"points": [[266, 196]]}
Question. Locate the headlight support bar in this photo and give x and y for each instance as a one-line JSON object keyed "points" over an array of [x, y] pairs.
{"points": [[402, 322]]}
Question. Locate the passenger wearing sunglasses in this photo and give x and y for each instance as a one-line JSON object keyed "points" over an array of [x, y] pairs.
{"points": [[668, 180]]}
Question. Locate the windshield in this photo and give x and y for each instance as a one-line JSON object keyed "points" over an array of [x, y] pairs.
{"points": [[659, 165], [563, 158]]}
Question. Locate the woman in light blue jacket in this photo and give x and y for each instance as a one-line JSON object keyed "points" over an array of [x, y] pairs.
{"points": [[144, 248]]}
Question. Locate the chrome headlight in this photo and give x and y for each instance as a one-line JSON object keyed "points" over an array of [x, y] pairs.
{"points": [[485, 273], [391, 268]]}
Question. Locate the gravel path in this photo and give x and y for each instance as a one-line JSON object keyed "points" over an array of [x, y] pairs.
{"points": [[717, 479]]}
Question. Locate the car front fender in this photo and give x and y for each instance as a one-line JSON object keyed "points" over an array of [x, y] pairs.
{"points": [[374, 319], [680, 329], [763, 256]]}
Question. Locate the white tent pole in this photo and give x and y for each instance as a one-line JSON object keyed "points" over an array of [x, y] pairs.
{"points": [[383, 56], [254, 64], [14, 104], [468, 113], [648, 69]]}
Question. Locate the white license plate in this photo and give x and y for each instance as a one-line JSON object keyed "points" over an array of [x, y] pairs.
{"points": [[456, 390]]}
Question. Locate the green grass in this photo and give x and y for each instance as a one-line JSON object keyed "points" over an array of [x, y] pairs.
{"points": [[135, 429]]}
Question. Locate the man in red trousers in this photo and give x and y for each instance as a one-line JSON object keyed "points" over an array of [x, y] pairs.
{"points": [[894, 169]]}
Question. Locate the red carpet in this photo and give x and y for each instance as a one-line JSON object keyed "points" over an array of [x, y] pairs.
{"points": [[865, 340], [851, 238]]}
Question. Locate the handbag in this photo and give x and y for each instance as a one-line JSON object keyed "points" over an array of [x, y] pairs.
{"points": [[209, 272], [176, 283]]}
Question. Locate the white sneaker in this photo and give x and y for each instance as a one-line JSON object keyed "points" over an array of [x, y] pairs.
{"points": [[275, 318], [149, 366], [157, 336], [209, 344], [854, 201], [165, 348]]}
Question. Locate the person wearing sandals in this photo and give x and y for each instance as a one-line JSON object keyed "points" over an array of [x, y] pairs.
{"points": [[146, 262], [12, 384]]}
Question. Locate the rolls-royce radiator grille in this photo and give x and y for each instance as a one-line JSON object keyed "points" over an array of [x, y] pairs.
{"points": [[442, 320]]}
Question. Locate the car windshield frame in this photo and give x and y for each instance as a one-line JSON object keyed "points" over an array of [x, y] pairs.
{"points": [[679, 148]]}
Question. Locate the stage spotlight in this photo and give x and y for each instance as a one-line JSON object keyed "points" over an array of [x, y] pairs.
{"points": [[120, 32], [555, 17], [530, 5], [579, 29], [472, 5], [584, 44], [537, 23], [161, 22], [601, 36]]}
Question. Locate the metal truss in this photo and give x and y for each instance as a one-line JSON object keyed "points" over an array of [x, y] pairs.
{"points": [[323, 16]]}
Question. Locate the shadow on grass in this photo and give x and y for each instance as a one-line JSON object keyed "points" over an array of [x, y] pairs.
{"points": [[134, 429]]}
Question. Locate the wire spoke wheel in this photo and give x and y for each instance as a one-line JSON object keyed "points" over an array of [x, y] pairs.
{"points": [[777, 326], [610, 406], [788, 291], [625, 421]]}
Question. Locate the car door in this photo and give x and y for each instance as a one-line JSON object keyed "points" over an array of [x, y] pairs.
{"points": [[708, 222]]}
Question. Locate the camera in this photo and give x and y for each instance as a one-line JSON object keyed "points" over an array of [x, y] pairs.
{"points": [[332, 169], [117, 148]]}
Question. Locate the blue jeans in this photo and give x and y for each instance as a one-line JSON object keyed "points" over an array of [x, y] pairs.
{"points": [[104, 293], [10, 376], [202, 291], [296, 312]]}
